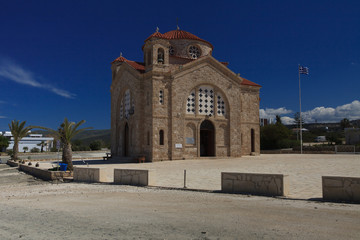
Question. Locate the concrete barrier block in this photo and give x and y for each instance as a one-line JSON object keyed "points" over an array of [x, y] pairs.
{"points": [[341, 188], [135, 177], [262, 184], [86, 174]]}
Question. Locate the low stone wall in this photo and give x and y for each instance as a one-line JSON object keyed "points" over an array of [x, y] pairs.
{"points": [[12, 163], [341, 188], [85, 174], [259, 184], [135, 177], [44, 173]]}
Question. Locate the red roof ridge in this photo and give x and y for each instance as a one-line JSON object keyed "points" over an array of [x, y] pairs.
{"points": [[136, 65], [249, 83], [177, 34]]}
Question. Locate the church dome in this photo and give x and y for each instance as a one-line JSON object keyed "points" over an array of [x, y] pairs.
{"points": [[177, 34]]}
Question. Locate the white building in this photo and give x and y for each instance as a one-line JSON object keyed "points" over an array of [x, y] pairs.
{"points": [[31, 141]]}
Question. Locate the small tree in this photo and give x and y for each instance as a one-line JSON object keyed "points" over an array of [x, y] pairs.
{"points": [[274, 136], [25, 149], [345, 123], [96, 145], [66, 132], [18, 131], [278, 119], [4, 143], [297, 119]]}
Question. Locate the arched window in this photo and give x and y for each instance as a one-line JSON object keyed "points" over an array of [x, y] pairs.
{"points": [[148, 138], [161, 97], [160, 58], [161, 137], [252, 140], [207, 100], [127, 105]]}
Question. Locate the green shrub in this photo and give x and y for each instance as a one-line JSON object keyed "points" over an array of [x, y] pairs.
{"points": [[96, 145], [80, 148], [288, 143], [35, 150], [274, 136], [53, 149]]}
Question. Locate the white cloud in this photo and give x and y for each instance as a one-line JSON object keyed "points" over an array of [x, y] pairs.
{"points": [[19, 75], [287, 120], [270, 113], [318, 114], [329, 114]]}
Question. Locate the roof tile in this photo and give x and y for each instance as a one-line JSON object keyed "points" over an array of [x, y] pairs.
{"points": [[136, 65], [177, 34]]}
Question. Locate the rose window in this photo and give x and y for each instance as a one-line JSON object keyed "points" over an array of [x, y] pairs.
{"points": [[194, 52]]}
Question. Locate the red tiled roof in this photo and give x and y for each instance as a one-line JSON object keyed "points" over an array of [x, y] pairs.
{"points": [[136, 65], [155, 34], [177, 34], [249, 83]]}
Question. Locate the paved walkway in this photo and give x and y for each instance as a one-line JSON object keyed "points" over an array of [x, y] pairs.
{"points": [[304, 171]]}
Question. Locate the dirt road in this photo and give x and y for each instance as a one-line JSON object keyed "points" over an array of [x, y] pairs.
{"points": [[32, 209]]}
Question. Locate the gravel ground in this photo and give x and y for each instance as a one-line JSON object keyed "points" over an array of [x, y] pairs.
{"points": [[34, 209], [304, 170]]}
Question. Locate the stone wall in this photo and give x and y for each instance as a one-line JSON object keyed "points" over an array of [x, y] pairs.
{"points": [[12, 163], [259, 184], [44, 174], [85, 174], [341, 188], [135, 177]]}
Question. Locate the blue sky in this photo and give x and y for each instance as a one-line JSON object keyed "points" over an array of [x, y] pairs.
{"points": [[55, 55]]}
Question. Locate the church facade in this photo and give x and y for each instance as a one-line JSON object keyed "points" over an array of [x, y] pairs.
{"points": [[181, 103]]}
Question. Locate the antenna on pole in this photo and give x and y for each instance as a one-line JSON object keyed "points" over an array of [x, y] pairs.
{"points": [[177, 24]]}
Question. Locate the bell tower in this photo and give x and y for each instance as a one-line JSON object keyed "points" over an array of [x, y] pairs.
{"points": [[156, 52]]}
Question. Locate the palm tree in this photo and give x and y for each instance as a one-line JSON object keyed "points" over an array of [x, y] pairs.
{"points": [[42, 144], [18, 131], [66, 132]]}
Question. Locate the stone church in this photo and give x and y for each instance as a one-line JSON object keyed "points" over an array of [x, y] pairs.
{"points": [[181, 103]]}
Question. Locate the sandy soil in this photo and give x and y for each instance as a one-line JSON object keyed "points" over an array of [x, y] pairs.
{"points": [[33, 209], [304, 171]]}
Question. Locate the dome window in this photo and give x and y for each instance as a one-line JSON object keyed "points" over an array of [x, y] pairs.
{"points": [[194, 52], [171, 51]]}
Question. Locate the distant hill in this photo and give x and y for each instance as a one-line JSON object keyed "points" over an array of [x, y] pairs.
{"points": [[331, 126], [88, 136]]}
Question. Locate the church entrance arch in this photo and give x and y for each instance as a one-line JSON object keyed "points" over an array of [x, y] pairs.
{"points": [[207, 139], [126, 140]]}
